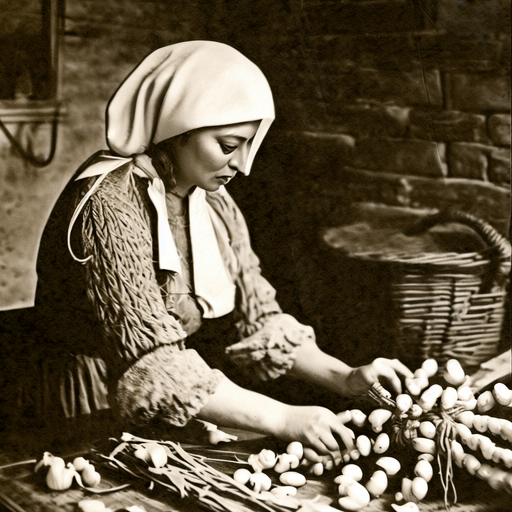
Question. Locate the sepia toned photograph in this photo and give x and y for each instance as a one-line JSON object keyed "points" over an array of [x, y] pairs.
{"points": [[255, 256]]}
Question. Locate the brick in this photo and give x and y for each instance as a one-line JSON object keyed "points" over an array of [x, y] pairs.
{"points": [[390, 52], [362, 17], [499, 165], [365, 120], [404, 88], [479, 92], [468, 161], [448, 126], [411, 157], [448, 52], [499, 129], [475, 18]]}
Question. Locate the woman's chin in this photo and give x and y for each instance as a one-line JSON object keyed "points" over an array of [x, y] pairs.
{"points": [[212, 187]]}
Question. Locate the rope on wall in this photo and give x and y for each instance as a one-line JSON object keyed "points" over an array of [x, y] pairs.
{"points": [[32, 159]]}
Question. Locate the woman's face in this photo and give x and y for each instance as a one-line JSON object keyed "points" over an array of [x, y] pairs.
{"points": [[210, 157]]}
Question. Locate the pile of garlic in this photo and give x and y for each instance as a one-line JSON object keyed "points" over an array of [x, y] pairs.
{"points": [[442, 422], [282, 464], [60, 476]]}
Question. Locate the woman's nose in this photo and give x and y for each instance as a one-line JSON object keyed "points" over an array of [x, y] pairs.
{"points": [[239, 158]]}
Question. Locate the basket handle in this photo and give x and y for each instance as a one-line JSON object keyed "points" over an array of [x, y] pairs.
{"points": [[488, 234]]}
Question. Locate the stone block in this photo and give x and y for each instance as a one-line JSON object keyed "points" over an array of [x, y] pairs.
{"points": [[448, 52], [479, 92], [499, 165], [363, 17], [448, 126], [466, 160], [416, 87], [499, 129], [409, 157], [369, 120], [474, 19], [389, 52]]}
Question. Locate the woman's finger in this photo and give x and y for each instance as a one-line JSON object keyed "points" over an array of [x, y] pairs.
{"points": [[400, 368], [346, 435], [311, 455], [319, 446], [390, 369]]}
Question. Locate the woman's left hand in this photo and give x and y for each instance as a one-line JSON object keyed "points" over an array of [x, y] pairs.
{"points": [[388, 372]]}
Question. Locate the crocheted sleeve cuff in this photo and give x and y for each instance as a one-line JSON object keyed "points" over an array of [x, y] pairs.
{"points": [[169, 383], [271, 350]]}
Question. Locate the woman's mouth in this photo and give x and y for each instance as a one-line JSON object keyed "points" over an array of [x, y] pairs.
{"points": [[224, 179]]}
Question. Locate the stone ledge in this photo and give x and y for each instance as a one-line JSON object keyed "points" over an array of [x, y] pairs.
{"points": [[417, 157], [485, 200], [448, 126], [478, 92]]}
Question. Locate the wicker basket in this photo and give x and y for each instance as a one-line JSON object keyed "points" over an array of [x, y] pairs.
{"points": [[448, 305]]}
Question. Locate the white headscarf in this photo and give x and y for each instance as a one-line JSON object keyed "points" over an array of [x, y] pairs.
{"points": [[175, 89], [185, 86]]}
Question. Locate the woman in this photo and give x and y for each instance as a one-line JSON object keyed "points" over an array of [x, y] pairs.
{"points": [[155, 275]]}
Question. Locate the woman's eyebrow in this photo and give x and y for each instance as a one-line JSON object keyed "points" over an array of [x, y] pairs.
{"points": [[234, 135], [241, 138]]}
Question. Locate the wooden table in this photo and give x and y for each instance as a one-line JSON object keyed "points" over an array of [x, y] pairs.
{"points": [[22, 491]]}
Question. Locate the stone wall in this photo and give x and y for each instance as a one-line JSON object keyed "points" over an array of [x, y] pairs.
{"points": [[404, 103]]}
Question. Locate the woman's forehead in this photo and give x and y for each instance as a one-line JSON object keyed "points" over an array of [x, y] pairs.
{"points": [[245, 130]]}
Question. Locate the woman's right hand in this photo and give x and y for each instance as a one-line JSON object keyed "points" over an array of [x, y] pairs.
{"points": [[317, 428]]}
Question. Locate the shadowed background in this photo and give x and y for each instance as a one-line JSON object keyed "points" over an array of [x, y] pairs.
{"points": [[402, 104]]}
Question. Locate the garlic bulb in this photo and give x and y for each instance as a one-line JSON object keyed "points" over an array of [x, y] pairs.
{"points": [[403, 402], [389, 464], [430, 367], [79, 463], [285, 462], [419, 488], [157, 454], [90, 477], [427, 429], [502, 394], [364, 445], [381, 443], [260, 482], [454, 374], [60, 478], [284, 490], [292, 478], [268, 458], [424, 470], [407, 507], [378, 483], [353, 471], [242, 476], [378, 417], [423, 445]]}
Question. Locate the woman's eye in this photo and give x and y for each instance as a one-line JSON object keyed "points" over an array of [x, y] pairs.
{"points": [[227, 148]]}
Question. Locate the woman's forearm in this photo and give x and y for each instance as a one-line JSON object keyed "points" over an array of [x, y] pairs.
{"points": [[235, 407], [315, 366]]}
